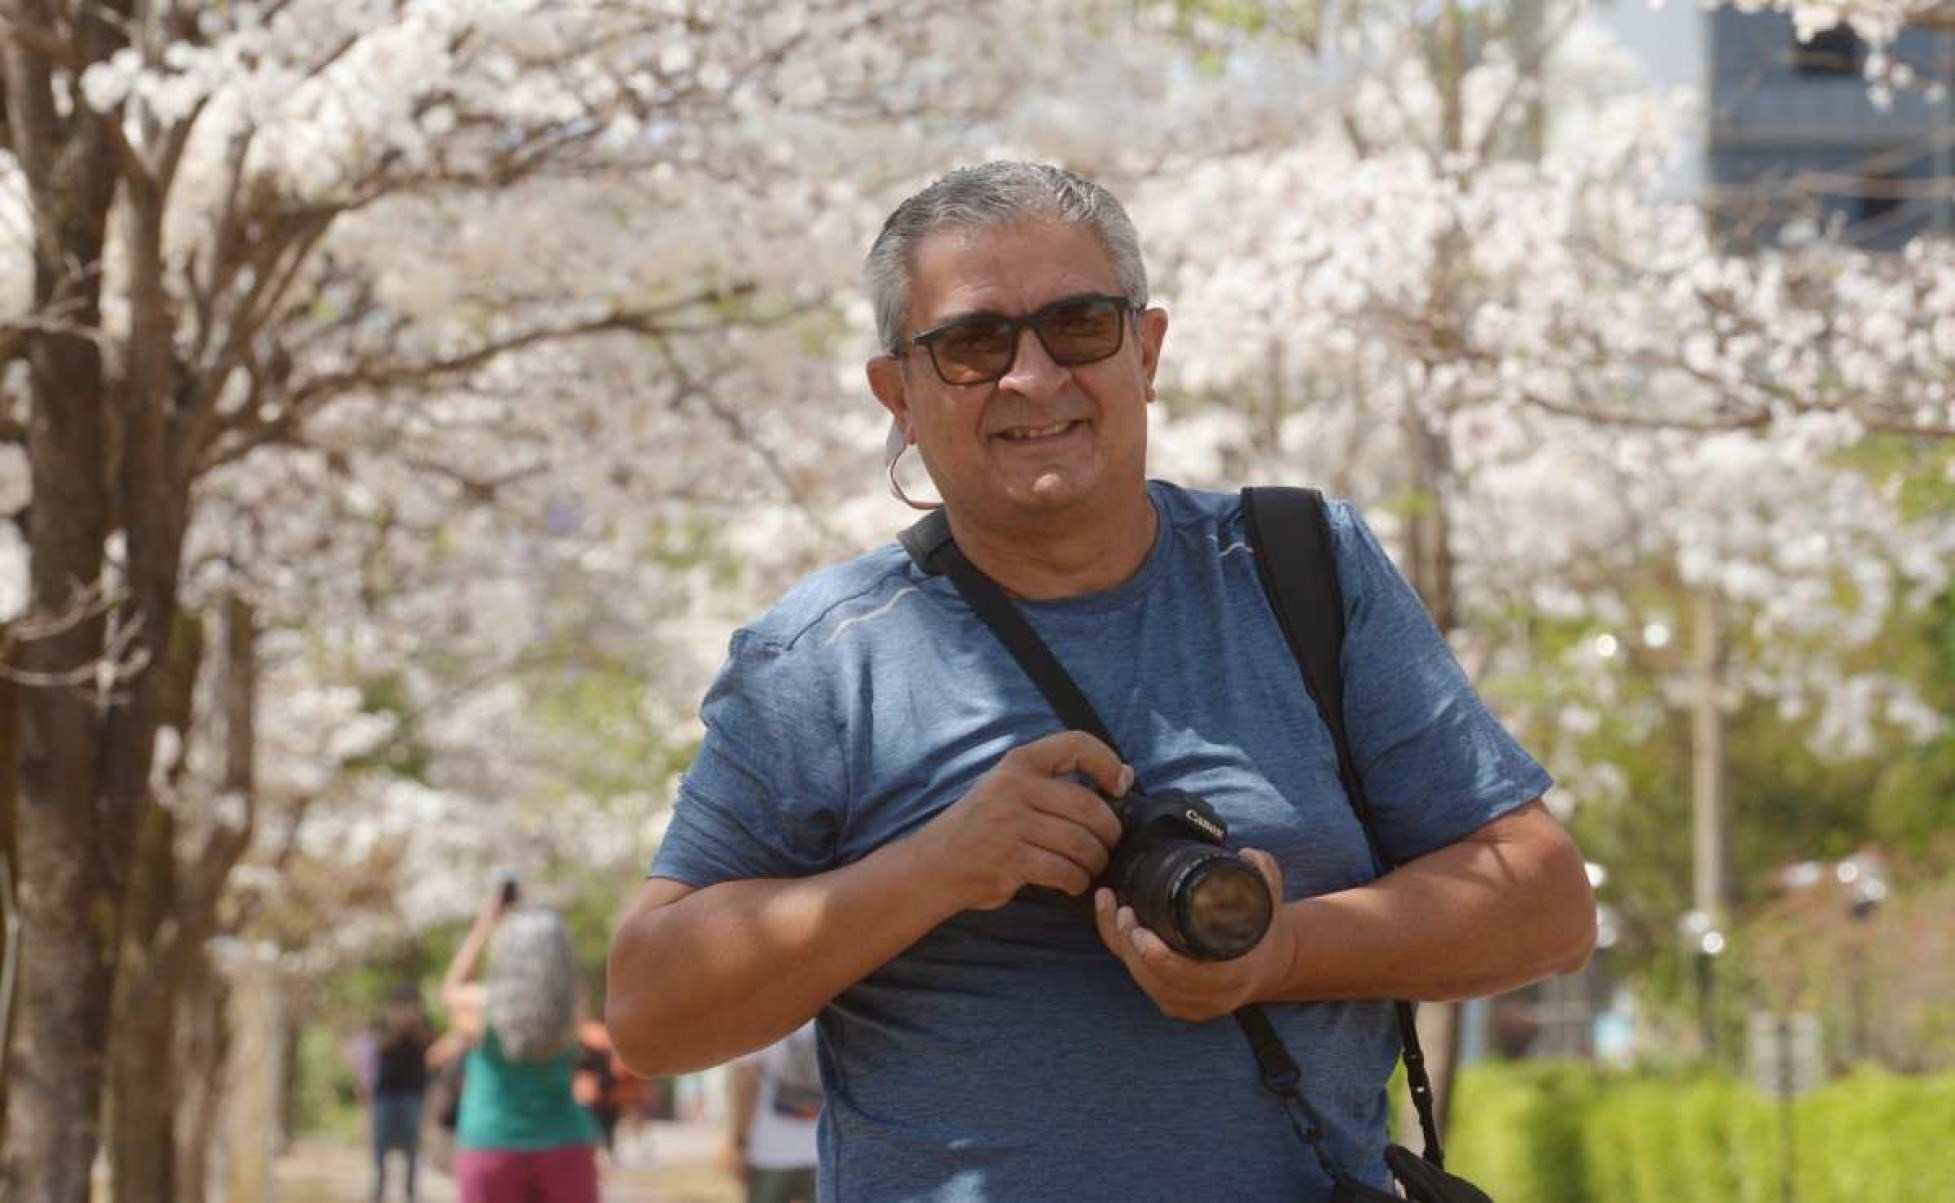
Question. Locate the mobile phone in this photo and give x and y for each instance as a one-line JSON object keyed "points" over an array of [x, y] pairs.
{"points": [[510, 891]]}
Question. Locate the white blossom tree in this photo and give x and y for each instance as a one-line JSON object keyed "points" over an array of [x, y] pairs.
{"points": [[1461, 293], [229, 247]]}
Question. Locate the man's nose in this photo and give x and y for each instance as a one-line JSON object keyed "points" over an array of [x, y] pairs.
{"points": [[1033, 373]]}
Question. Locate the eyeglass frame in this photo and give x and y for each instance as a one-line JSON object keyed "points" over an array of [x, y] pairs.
{"points": [[1018, 325]]}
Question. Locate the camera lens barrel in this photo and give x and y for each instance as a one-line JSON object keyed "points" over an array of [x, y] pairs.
{"points": [[1205, 902], [1224, 909]]}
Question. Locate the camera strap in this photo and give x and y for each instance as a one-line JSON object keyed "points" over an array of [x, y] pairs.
{"points": [[930, 545], [1289, 532]]}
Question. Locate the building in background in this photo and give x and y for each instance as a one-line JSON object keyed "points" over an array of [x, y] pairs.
{"points": [[1791, 132], [1795, 131]]}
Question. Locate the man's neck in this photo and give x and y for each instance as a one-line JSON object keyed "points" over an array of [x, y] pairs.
{"points": [[1060, 556]]}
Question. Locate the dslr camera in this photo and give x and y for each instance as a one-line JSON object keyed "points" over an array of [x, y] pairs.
{"points": [[1170, 865]]}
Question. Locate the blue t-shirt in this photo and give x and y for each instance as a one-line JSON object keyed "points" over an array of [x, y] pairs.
{"points": [[1007, 1056]]}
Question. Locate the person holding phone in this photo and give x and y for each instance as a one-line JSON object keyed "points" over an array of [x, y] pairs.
{"points": [[521, 1134], [774, 1098]]}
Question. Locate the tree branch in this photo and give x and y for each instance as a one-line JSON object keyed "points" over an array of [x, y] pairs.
{"points": [[650, 322]]}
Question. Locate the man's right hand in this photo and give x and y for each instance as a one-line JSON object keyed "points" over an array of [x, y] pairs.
{"points": [[762, 955], [1026, 824]]}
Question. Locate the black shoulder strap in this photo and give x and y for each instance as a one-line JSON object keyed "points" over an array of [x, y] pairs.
{"points": [[1289, 531], [926, 537]]}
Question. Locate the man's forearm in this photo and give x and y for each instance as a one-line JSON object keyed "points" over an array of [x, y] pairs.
{"points": [[1478, 917], [729, 968]]}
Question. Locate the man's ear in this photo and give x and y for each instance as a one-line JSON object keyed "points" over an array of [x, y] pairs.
{"points": [[885, 374], [1153, 331]]}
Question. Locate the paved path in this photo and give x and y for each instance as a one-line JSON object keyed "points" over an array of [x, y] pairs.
{"points": [[665, 1163]]}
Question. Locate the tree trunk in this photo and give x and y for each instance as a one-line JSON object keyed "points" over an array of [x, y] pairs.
{"points": [[255, 1080], [1707, 755], [86, 734], [143, 1083], [202, 881], [153, 496], [157, 941], [67, 897], [202, 1051], [68, 902], [9, 793]]}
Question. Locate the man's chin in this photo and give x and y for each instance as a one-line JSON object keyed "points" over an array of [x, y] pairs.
{"points": [[1050, 491], [1055, 488]]}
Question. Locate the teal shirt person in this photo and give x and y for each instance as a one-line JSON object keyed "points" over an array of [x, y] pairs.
{"points": [[520, 1105]]}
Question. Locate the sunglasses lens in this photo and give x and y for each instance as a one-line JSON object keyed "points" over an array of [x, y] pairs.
{"points": [[1081, 332], [980, 349], [974, 350]]}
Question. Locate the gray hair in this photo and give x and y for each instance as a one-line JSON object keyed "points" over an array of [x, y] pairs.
{"points": [[532, 985], [987, 196]]}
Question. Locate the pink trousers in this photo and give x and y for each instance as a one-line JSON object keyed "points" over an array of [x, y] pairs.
{"points": [[564, 1175]]}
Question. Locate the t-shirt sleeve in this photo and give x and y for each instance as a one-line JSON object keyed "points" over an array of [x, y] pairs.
{"points": [[766, 791], [1436, 764]]}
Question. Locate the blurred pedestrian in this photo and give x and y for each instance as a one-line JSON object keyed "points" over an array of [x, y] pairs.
{"points": [[399, 1086], [775, 1100], [521, 1135], [603, 1084]]}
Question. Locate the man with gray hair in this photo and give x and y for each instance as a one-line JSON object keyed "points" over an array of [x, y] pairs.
{"points": [[889, 829]]}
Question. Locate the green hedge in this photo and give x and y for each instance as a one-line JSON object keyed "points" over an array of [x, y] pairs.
{"points": [[1563, 1133]]}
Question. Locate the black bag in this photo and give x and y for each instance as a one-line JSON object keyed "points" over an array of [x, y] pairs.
{"points": [[1425, 1182], [1422, 1181], [1299, 576]]}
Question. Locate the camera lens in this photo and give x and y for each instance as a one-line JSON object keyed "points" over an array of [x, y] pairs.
{"points": [[1224, 908], [1206, 902]]}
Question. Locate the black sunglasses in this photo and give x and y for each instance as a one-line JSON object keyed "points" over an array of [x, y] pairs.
{"points": [[982, 347]]}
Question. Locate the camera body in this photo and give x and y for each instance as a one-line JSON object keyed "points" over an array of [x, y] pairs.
{"points": [[1168, 814], [1172, 868]]}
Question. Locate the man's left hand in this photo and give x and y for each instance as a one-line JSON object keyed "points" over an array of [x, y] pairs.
{"points": [[1193, 990]]}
